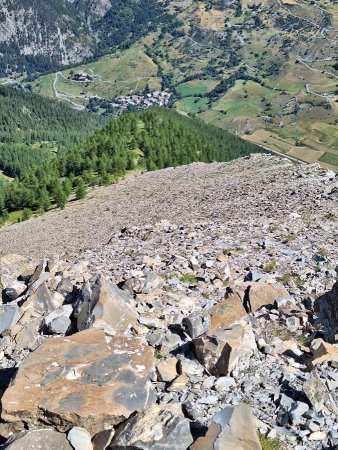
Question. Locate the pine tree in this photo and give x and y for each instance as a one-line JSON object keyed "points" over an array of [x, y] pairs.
{"points": [[81, 191]]}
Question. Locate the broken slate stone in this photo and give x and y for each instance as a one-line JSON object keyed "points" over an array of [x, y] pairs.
{"points": [[197, 323], [167, 369], [58, 322], [222, 351], [42, 300], [160, 427], [87, 380], [38, 439], [9, 315], [233, 428], [106, 307]]}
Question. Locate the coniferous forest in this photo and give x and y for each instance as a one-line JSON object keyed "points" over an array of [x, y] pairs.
{"points": [[32, 127], [148, 140]]}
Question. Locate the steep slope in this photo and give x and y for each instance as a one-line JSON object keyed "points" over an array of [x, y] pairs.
{"points": [[146, 140], [206, 310], [248, 196]]}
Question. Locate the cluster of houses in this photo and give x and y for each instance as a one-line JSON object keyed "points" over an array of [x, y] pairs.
{"points": [[146, 100], [80, 77]]}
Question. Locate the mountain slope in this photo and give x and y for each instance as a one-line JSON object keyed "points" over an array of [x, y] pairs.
{"points": [[251, 199], [146, 140], [264, 70], [40, 36]]}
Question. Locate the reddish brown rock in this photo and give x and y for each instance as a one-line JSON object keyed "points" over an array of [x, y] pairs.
{"points": [[88, 380], [167, 369], [257, 294], [233, 428], [222, 351], [226, 312]]}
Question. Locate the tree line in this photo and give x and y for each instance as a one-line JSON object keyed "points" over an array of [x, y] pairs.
{"points": [[151, 139]]}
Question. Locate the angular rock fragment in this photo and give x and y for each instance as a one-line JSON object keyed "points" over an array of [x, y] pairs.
{"points": [[233, 428], [38, 439], [160, 427], [319, 396], [106, 307], [143, 284], [42, 300], [11, 266], [198, 323], [222, 351], [12, 293], [9, 315], [228, 311], [326, 308], [58, 322], [255, 295], [27, 336], [87, 380], [167, 369], [324, 352], [179, 384], [102, 439]]}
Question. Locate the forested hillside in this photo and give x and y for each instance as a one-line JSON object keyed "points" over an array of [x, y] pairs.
{"points": [[32, 126], [148, 140]]}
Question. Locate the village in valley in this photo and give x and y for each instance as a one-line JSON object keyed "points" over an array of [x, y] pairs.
{"points": [[123, 103]]}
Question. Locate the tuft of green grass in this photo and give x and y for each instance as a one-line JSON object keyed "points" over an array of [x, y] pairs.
{"points": [[289, 238], [288, 278], [304, 340], [330, 216], [158, 354], [268, 443], [270, 266], [188, 278], [322, 251]]}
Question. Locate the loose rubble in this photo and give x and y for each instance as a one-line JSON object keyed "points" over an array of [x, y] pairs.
{"points": [[176, 336]]}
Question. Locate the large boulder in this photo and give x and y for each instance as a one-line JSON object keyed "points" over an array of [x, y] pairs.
{"points": [[254, 295], [160, 427], [221, 351], [89, 380], [233, 428], [104, 306]]}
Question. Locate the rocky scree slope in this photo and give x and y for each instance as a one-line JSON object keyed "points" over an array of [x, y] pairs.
{"points": [[188, 333]]}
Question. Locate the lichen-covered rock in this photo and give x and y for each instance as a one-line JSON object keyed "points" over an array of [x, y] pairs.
{"points": [[87, 380]]}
